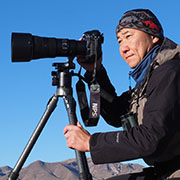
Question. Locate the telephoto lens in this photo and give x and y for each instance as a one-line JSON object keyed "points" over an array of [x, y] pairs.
{"points": [[25, 47]]}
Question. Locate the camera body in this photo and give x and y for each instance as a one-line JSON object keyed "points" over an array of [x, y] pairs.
{"points": [[93, 39], [25, 47]]}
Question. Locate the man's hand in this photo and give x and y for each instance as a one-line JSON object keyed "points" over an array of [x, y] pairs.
{"points": [[89, 66], [77, 137]]}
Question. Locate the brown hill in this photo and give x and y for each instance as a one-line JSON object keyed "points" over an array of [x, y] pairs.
{"points": [[68, 170]]}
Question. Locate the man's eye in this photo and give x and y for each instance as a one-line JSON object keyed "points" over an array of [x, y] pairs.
{"points": [[119, 41], [128, 36]]}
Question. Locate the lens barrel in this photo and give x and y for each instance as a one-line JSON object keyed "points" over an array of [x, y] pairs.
{"points": [[21, 47], [25, 47]]}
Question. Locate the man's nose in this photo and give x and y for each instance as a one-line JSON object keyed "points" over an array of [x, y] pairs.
{"points": [[124, 47]]}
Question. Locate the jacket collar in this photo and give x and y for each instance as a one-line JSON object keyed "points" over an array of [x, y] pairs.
{"points": [[168, 51]]}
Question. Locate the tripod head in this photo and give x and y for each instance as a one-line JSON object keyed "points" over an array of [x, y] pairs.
{"points": [[62, 77]]}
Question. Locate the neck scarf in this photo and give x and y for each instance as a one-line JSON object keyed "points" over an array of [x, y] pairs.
{"points": [[139, 73]]}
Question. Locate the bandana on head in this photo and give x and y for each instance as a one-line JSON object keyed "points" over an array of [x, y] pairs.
{"points": [[143, 20]]}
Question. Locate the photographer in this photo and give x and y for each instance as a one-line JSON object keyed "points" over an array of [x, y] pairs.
{"points": [[154, 102]]}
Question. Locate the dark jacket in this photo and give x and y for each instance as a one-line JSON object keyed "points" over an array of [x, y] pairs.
{"points": [[157, 137]]}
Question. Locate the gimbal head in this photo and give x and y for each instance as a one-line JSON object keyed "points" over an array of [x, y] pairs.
{"points": [[62, 78]]}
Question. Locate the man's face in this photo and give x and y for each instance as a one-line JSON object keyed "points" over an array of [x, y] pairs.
{"points": [[134, 45]]}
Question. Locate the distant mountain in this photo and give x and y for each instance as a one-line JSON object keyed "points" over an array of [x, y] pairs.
{"points": [[68, 170]]}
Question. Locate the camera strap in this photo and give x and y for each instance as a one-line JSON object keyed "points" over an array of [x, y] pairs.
{"points": [[94, 111], [82, 100], [90, 116]]}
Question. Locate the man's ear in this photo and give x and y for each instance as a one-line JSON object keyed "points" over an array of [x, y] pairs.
{"points": [[155, 39]]}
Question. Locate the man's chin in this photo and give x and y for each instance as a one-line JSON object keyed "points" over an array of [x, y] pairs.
{"points": [[132, 63], [132, 66]]}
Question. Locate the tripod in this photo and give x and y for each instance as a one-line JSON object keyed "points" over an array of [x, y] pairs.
{"points": [[62, 78]]}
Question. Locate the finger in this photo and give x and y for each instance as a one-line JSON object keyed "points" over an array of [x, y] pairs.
{"points": [[67, 135], [79, 124], [67, 128], [80, 59]]}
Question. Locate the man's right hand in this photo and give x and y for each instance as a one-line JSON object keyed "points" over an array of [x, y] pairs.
{"points": [[89, 66]]}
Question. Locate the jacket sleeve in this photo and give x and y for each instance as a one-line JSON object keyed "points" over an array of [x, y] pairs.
{"points": [[112, 106], [159, 127]]}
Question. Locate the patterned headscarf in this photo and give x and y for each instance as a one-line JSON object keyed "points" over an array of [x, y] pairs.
{"points": [[141, 19]]}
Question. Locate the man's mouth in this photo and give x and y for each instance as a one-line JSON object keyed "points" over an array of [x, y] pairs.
{"points": [[129, 56]]}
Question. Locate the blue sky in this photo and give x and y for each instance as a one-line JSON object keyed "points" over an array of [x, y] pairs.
{"points": [[25, 88]]}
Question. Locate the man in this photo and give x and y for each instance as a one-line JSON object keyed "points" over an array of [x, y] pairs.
{"points": [[154, 102]]}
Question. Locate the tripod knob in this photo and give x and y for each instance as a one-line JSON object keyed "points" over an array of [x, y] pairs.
{"points": [[55, 78], [54, 73], [55, 81]]}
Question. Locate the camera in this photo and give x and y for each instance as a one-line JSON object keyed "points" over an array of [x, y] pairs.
{"points": [[25, 47]]}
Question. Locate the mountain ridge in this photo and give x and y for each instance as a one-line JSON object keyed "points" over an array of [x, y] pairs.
{"points": [[68, 170]]}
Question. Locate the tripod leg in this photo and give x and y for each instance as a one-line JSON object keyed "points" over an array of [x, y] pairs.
{"points": [[84, 173], [49, 109]]}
